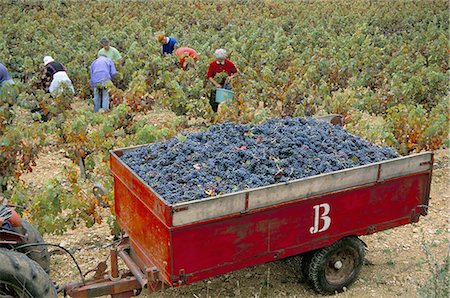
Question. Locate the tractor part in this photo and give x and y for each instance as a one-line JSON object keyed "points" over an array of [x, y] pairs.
{"points": [[40, 253], [22, 277]]}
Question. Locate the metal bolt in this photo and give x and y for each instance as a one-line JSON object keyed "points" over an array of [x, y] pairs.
{"points": [[338, 265]]}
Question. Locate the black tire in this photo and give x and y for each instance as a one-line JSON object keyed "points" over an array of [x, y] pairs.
{"points": [[39, 254], [336, 266], [23, 277], [304, 266], [299, 266]]}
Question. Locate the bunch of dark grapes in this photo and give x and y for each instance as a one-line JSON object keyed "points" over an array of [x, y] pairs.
{"points": [[230, 157]]}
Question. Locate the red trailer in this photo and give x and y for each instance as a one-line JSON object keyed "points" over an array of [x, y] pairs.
{"points": [[319, 218]]}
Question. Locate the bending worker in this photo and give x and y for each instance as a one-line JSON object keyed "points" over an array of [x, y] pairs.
{"points": [[220, 65], [5, 78], [184, 53], [167, 44], [102, 71], [56, 72]]}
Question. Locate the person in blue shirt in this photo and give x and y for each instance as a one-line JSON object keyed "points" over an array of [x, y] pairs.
{"points": [[102, 71], [5, 80], [167, 43], [5, 77]]}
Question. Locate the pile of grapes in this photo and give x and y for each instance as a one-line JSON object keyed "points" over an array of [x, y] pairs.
{"points": [[230, 157]]}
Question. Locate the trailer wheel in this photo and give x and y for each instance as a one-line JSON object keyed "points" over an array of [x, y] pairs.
{"points": [[22, 277], [304, 266], [336, 266], [299, 266], [39, 254]]}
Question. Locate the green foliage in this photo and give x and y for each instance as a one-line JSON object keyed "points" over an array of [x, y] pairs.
{"points": [[374, 128], [395, 52], [182, 138], [20, 142], [437, 132], [408, 123], [149, 134], [55, 207]]}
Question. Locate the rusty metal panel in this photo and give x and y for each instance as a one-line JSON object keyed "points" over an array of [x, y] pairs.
{"points": [[209, 248], [102, 287], [139, 188], [144, 228], [406, 165], [189, 212]]}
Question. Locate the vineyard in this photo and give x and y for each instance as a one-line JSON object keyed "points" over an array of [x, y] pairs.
{"points": [[382, 65]]}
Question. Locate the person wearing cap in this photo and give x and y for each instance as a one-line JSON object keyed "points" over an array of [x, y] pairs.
{"points": [[5, 78], [184, 53], [109, 51], [102, 70], [221, 64], [56, 73], [167, 43]]}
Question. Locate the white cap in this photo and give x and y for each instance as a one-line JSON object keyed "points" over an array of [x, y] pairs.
{"points": [[48, 59], [220, 54]]}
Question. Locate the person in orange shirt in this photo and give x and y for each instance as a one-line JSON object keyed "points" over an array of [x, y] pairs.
{"points": [[183, 53]]}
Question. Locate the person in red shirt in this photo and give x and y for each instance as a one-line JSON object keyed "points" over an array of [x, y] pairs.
{"points": [[183, 53], [221, 64]]}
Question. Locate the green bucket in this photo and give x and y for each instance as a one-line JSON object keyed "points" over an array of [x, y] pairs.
{"points": [[223, 94]]}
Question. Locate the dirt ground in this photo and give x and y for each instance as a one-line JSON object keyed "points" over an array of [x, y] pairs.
{"points": [[397, 259]]}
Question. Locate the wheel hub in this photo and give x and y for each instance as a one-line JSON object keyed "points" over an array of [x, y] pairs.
{"points": [[341, 266]]}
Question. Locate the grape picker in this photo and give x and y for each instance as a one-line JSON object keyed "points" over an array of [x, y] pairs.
{"points": [[5, 77], [167, 44], [102, 70], [184, 53], [56, 72], [221, 64], [109, 51]]}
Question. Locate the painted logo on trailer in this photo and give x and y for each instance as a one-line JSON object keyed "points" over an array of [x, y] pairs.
{"points": [[321, 219]]}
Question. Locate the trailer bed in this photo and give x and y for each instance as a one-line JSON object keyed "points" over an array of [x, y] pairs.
{"points": [[193, 240]]}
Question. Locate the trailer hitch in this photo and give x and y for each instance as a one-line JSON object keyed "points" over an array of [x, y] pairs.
{"points": [[134, 268], [117, 283]]}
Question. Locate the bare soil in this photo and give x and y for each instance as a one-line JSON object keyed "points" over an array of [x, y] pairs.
{"points": [[397, 259]]}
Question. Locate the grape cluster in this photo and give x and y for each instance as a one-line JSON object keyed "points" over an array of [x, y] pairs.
{"points": [[230, 157]]}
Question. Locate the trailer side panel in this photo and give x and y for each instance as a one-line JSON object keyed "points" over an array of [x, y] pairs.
{"points": [[218, 246], [149, 237]]}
